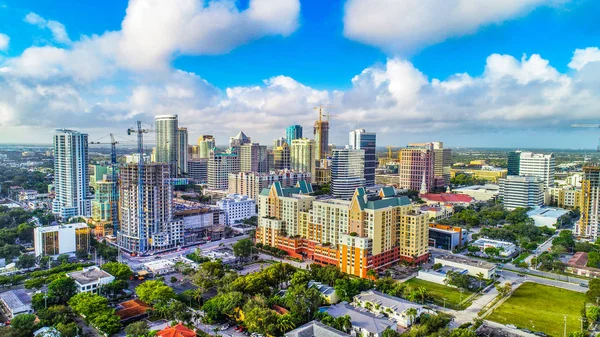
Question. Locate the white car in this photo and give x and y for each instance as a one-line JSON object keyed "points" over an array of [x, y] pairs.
{"points": [[224, 327]]}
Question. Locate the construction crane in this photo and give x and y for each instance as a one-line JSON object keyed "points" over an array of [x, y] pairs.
{"points": [[114, 195], [594, 126], [139, 131]]}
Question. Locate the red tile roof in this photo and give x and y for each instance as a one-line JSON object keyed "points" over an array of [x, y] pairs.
{"points": [[447, 198], [579, 259], [131, 308], [176, 331]]}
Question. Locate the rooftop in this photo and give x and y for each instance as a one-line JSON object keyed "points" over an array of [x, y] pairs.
{"points": [[178, 330], [322, 288], [133, 308], [486, 187], [159, 264], [547, 212], [88, 275], [484, 241], [466, 261], [580, 259], [55, 228], [315, 329], [361, 318], [387, 301], [447, 198], [15, 298]]}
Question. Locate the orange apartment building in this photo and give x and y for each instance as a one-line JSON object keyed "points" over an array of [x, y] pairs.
{"points": [[366, 232]]}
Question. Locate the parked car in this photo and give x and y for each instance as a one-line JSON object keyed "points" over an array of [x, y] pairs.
{"points": [[583, 285], [224, 326]]}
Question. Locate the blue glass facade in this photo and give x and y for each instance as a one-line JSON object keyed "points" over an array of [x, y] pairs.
{"points": [[293, 132]]}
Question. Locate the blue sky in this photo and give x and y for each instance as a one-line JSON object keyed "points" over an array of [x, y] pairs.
{"points": [[405, 86]]}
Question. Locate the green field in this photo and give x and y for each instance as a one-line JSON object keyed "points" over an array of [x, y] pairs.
{"points": [[437, 292], [521, 257], [542, 308]]}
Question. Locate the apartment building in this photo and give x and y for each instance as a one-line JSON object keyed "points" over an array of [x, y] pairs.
{"points": [[589, 205], [521, 191], [252, 183], [220, 164]]}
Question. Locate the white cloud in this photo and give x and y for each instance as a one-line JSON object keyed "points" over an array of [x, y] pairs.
{"points": [[4, 41], [59, 33], [155, 30], [581, 57], [404, 25]]}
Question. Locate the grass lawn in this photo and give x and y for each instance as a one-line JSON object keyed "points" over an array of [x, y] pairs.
{"points": [[438, 292], [521, 257], [539, 307]]}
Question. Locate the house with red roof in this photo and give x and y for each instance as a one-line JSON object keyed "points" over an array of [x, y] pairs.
{"points": [[178, 330], [446, 199]]}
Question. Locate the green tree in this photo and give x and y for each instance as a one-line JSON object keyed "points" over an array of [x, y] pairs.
{"points": [[300, 277], [70, 329], [302, 302], [137, 329], [259, 318], [62, 289], [593, 313], [89, 305], [412, 314], [462, 332], [120, 271], [25, 261], [285, 323], [54, 315], [593, 292], [480, 278], [504, 290], [63, 258], [115, 287], [390, 333], [154, 291], [108, 322], [23, 325], [82, 254], [243, 248]]}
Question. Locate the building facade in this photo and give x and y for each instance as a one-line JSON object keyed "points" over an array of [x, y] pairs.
{"points": [[252, 183], [302, 155], [589, 205], [61, 239], [281, 157], [363, 140], [146, 211], [253, 158], [347, 172], [521, 191], [220, 164], [293, 132], [538, 165], [182, 151], [514, 163], [166, 141], [237, 207], [198, 170], [321, 135], [205, 144], [71, 177]]}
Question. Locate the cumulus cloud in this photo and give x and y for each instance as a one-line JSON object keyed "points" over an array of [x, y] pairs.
{"points": [[59, 33], [403, 25], [4, 41], [581, 57]]}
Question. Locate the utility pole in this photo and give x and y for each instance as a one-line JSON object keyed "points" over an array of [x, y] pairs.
{"points": [[565, 334]]}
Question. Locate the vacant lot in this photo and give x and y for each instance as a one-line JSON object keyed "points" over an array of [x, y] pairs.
{"points": [[437, 292], [542, 308]]}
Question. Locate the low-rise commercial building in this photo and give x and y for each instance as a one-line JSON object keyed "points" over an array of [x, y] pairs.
{"points": [[160, 267], [506, 248], [90, 279], [363, 322], [437, 212], [390, 306], [439, 276], [447, 237], [480, 192], [237, 207], [472, 266], [15, 302], [547, 216], [61, 239]]}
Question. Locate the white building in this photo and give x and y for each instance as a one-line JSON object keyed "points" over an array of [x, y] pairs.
{"points": [[15, 302], [473, 267], [71, 178], [538, 165], [347, 171], [479, 192], [506, 248], [160, 267], [237, 207], [90, 279], [252, 183], [393, 307], [61, 239], [547, 216], [363, 322], [521, 191], [166, 141]]}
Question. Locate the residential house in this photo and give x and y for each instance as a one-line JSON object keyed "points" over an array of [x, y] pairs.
{"points": [[393, 307]]}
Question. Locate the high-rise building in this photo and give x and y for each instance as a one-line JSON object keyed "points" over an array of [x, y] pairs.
{"points": [[293, 132], [514, 162], [193, 152], [589, 204], [97, 173], [363, 140], [205, 144], [302, 155], [198, 170], [252, 183], [182, 151], [521, 191], [277, 142], [147, 219], [281, 157], [102, 205], [362, 234], [61, 239], [253, 158], [442, 164], [347, 171], [166, 141], [538, 165], [321, 132], [416, 167], [220, 164], [239, 140], [71, 178]]}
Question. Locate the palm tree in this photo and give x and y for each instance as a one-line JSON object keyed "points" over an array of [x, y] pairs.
{"points": [[480, 277], [413, 296], [285, 323], [412, 314], [344, 323], [422, 291], [371, 274]]}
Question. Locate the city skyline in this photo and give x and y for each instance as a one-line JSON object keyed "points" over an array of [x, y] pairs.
{"points": [[491, 81]]}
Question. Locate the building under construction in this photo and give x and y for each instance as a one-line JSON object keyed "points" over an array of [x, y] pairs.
{"points": [[321, 131], [147, 225]]}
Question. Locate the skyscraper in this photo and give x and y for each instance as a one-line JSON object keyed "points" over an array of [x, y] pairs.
{"points": [[281, 157], [205, 144], [302, 155], [166, 141], [157, 231], [416, 167], [347, 171], [363, 140], [514, 161], [277, 142], [321, 132], [71, 178], [538, 165], [442, 164], [293, 132], [253, 158], [182, 151], [220, 164], [589, 203], [521, 191], [239, 140]]}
